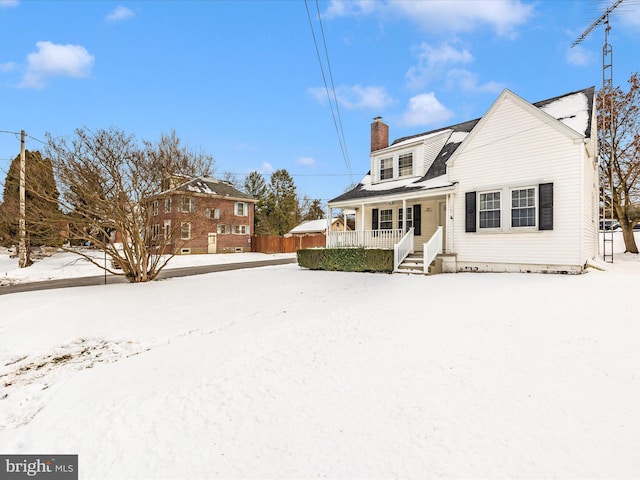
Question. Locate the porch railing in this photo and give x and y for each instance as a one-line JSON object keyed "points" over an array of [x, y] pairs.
{"points": [[384, 239], [403, 248], [432, 248]]}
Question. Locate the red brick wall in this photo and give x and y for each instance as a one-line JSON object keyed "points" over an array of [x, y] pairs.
{"points": [[201, 226]]}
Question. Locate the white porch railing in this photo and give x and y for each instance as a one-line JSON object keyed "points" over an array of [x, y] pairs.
{"points": [[384, 239], [432, 248], [403, 248]]}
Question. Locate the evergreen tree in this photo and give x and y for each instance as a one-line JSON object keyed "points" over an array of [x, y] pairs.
{"points": [[313, 210], [281, 203], [255, 186], [42, 214]]}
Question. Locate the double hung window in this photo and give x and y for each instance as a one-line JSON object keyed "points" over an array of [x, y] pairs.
{"points": [[489, 210], [523, 207], [386, 168], [386, 219]]}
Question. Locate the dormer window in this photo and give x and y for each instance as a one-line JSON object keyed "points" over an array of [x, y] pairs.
{"points": [[399, 165], [386, 168], [405, 165]]}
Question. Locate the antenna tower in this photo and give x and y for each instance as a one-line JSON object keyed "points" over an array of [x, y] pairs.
{"points": [[606, 177]]}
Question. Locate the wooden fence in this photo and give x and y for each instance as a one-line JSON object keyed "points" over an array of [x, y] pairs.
{"points": [[272, 244]]}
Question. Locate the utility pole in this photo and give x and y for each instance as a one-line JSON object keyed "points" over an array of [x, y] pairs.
{"points": [[606, 178], [22, 246]]}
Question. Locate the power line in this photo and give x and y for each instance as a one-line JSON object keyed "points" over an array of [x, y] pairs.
{"points": [[335, 97], [326, 87]]}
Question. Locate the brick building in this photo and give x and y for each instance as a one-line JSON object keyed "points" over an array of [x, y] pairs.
{"points": [[202, 215]]}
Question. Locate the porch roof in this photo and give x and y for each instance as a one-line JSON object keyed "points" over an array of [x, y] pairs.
{"points": [[399, 189]]}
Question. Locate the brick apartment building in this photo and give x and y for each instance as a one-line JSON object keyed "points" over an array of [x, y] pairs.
{"points": [[202, 215]]}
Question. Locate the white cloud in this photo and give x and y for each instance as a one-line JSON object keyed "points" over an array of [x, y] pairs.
{"points": [[580, 57], [466, 81], [343, 8], [52, 60], [425, 109], [7, 67], [433, 61], [120, 13], [443, 15], [356, 97], [307, 161], [266, 167], [8, 3]]}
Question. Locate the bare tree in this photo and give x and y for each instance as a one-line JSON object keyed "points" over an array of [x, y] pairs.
{"points": [[108, 192], [620, 158]]}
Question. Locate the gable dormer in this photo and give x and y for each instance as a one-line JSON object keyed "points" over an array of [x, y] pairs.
{"points": [[407, 158]]}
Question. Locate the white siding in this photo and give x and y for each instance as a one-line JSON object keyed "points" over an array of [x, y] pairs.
{"points": [[514, 148]]}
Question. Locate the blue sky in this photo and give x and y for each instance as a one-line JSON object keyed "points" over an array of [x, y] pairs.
{"points": [[242, 81]]}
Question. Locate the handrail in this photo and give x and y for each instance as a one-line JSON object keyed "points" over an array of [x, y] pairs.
{"points": [[432, 248], [403, 248], [384, 239]]}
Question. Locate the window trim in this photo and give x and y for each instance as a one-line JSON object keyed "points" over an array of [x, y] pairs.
{"points": [[389, 221], [182, 230], [387, 169], [480, 210], [394, 168], [167, 205], [405, 154], [535, 208], [245, 209], [154, 208]]}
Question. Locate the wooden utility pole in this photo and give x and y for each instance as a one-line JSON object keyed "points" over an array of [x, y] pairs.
{"points": [[22, 246]]}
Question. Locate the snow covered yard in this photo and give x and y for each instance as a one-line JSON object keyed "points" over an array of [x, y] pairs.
{"points": [[279, 372]]}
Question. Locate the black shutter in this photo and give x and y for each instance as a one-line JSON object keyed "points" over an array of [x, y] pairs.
{"points": [[400, 218], [470, 212], [374, 219], [545, 211], [416, 220]]}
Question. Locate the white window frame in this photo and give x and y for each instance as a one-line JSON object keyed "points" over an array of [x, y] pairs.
{"points": [[534, 206], [240, 229], [188, 230], [391, 164], [385, 168], [187, 204], [241, 209], [212, 213], [223, 229], [401, 156], [167, 205], [385, 212], [167, 229], [499, 209], [154, 208]]}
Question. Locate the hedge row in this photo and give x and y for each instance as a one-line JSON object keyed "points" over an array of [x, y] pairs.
{"points": [[346, 259]]}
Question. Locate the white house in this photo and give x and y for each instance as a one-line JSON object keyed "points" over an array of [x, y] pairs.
{"points": [[516, 190]]}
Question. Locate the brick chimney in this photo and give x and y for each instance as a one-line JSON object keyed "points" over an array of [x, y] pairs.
{"points": [[379, 134]]}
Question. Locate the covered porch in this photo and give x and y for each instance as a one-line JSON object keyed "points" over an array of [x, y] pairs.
{"points": [[405, 225]]}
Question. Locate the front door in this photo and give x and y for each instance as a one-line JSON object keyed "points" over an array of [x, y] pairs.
{"points": [[212, 243]]}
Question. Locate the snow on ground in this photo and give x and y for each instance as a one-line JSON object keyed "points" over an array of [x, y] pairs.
{"points": [[70, 265], [281, 372]]}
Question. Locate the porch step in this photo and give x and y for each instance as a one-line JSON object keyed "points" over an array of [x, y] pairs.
{"points": [[414, 264]]}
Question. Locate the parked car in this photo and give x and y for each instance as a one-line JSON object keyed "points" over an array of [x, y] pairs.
{"points": [[610, 225]]}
